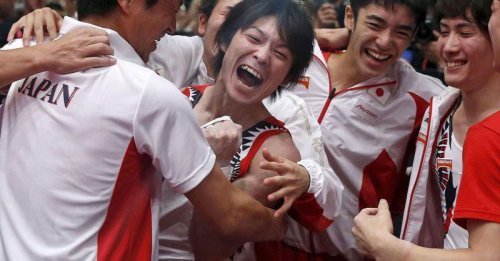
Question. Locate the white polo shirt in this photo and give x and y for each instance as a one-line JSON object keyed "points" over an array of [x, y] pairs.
{"points": [[82, 157]]}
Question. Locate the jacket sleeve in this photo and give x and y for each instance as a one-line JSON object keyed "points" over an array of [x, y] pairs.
{"points": [[315, 209]]}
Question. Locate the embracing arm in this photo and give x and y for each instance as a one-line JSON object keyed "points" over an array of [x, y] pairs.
{"points": [[77, 50], [229, 217], [373, 233], [333, 39]]}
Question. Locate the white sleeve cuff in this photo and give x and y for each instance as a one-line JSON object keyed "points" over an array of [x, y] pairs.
{"points": [[315, 175]]}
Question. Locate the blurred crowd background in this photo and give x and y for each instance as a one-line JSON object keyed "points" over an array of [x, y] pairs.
{"points": [[422, 54]]}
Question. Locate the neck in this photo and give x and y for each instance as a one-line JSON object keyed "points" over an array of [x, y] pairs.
{"points": [[216, 102], [343, 71], [104, 21], [208, 60], [114, 22], [476, 105], [481, 102]]}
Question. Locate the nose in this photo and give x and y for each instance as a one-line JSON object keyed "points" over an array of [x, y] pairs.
{"points": [[263, 54], [384, 39], [451, 43]]}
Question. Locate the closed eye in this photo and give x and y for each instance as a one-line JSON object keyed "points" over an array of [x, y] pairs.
{"points": [[404, 34], [374, 26], [443, 33], [253, 38]]}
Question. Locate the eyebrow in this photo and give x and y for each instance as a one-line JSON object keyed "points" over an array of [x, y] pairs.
{"points": [[282, 42], [461, 25], [381, 20]]}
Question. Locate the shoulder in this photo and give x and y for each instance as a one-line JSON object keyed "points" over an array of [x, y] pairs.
{"points": [[415, 82], [485, 133], [286, 101], [491, 124], [175, 45], [169, 40], [282, 145], [281, 138], [482, 142], [157, 92]]}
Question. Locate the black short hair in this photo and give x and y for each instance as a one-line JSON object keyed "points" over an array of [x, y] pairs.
{"points": [[294, 24], [207, 7], [100, 7], [417, 7], [480, 11]]}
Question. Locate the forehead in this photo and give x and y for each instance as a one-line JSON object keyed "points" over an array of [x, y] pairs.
{"points": [[269, 27], [170, 5], [268, 23], [223, 4], [397, 13], [458, 21]]}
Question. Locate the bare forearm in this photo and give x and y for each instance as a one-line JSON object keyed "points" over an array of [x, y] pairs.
{"points": [[232, 213], [77, 50], [19, 63], [397, 249], [207, 245], [248, 220], [332, 39]]}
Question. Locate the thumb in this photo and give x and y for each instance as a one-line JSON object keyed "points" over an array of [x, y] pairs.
{"points": [[383, 205]]}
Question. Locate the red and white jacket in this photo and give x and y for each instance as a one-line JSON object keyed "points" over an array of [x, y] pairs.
{"points": [[368, 131], [422, 224]]}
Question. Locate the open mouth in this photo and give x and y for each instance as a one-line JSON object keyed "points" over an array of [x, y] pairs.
{"points": [[377, 56], [455, 64], [249, 76]]}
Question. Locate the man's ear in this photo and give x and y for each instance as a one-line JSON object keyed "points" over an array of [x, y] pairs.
{"points": [[349, 18], [126, 5], [202, 24]]}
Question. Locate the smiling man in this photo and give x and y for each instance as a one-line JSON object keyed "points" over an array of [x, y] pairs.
{"points": [[83, 155], [370, 106]]}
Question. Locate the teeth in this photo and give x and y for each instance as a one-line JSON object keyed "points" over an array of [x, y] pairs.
{"points": [[252, 71], [454, 64], [377, 56]]}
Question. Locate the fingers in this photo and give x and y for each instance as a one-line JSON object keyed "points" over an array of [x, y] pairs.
{"points": [[211, 132], [37, 22], [284, 208], [38, 26], [356, 233], [281, 193], [90, 32], [52, 25], [274, 181], [98, 49], [269, 157], [278, 167], [16, 27], [28, 28], [88, 36], [92, 62]]}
